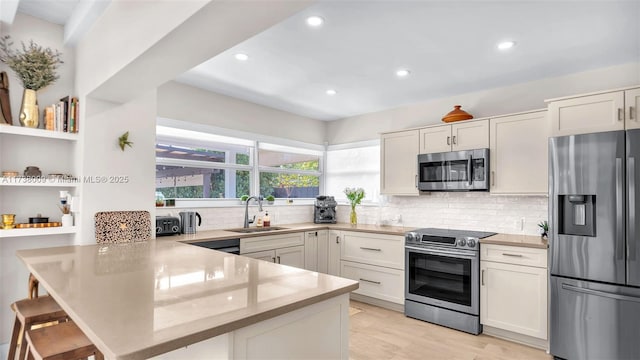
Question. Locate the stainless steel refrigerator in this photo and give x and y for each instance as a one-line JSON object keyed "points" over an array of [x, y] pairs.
{"points": [[594, 245]]}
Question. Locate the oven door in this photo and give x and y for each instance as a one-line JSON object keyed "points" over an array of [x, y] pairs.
{"points": [[454, 171], [443, 278]]}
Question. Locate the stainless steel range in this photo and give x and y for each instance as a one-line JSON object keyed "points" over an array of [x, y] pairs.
{"points": [[442, 282]]}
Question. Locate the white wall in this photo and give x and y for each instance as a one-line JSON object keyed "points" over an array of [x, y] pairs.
{"points": [[504, 100], [182, 102], [102, 157]]}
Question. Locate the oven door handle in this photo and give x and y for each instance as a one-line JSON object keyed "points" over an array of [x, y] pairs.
{"points": [[442, 253]]}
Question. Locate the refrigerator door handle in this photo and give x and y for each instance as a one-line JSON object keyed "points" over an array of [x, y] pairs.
{"points": [[631, 236], [619, 211], [600, 293]]}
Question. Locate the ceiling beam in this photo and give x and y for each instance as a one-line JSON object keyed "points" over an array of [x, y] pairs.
{"points": [[8, 10], [82, 18]]}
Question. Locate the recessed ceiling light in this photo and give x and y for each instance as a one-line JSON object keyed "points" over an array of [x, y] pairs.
{"points": [[505, 45], [315, 21], [242, 57], [403, 72], [331, 92]]}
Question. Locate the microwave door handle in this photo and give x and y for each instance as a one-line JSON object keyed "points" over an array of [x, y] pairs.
{"points": [[469, 169]]}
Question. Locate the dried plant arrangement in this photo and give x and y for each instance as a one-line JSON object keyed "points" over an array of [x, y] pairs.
{"points": [[34, 65]]}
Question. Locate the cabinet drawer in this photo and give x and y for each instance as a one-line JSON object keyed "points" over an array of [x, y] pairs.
{"points": [[270, 242], [373, 249], [375, 281], [514, 255]]}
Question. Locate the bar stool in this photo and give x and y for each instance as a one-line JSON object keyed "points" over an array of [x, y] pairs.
{"points": [[30, 312], [64, 341]]}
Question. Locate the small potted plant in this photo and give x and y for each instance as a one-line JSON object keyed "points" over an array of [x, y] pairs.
{"points": [[270, 199], [544, 229], [355, 196]]}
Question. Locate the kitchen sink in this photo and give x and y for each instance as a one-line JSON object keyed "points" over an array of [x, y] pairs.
{"points": [[256, 229]]}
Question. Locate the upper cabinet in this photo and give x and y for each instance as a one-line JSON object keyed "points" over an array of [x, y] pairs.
{"points": [[511, 137], [399, 163], [615, 110], [464, 135]]}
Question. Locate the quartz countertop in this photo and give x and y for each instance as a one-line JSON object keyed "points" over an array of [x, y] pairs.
{"points": [[208, 235], [516, 240], [139, 300]]}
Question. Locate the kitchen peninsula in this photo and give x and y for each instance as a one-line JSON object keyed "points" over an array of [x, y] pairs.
{"points": [[171, 300]]}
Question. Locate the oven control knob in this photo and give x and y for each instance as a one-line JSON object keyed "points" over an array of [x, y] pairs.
{"points": [[411, 237], [471, 243], [462, 242]]}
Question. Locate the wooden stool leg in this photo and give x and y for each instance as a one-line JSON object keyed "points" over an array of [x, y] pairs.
{"points": [[33, 286], [14, 339], [23, 346]]}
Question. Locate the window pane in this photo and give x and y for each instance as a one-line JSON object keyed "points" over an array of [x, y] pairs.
{"points": [[289, 185], [287, 160], [190, 182], [356, 167]]}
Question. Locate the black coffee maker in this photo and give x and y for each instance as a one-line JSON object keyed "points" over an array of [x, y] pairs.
{"points": [[325, 210]]}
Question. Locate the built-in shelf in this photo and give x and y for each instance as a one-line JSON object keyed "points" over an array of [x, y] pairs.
{"points": [[38, 231], [37, 182], [25, 131]]}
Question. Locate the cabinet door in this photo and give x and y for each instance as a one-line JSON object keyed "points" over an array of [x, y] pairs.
{"points": [[322, 253], [399, 163], [375, 281], [270, 242], [374, 249], [435, 139], [587, 114], [514, 298], [518, 152], [470, 135], [292, 256], [311, 254], [632, 103], [269, 255], [333, 260]]}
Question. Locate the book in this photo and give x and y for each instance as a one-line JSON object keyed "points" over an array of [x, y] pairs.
{"points": [[49, 118]]}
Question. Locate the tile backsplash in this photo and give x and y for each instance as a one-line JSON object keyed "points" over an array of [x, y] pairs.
{"points": [[454, 210]]}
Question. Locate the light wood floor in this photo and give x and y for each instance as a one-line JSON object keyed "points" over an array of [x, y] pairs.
{"points": [[377, 333]]}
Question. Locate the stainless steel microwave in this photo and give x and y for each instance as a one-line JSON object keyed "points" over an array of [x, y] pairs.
{"points": [[466, 170]]}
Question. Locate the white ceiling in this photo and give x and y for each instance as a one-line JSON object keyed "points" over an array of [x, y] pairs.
{"points": [[449, 47], [55, 11]]}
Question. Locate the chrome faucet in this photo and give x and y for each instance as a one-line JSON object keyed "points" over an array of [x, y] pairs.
{"points": [[246, 210]]}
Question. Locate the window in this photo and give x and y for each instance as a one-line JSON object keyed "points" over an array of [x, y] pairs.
{"points": [[196, 165], [354, 167], [287, 172]]}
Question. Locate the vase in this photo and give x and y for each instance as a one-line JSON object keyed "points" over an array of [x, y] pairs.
{"points": [[353, 218], [67, 220], [29, 109]]}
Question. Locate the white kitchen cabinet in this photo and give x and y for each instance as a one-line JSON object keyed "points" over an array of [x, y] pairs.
{"points": [[463, 135], [513, 291], [316, 251], [333, 256], [632, 103], [399, 163], [376, 261], [291, 256], [285, 249], [510, 137], [589, 113]]}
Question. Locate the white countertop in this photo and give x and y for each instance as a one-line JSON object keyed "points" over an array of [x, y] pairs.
{"points": [[138, 300]]}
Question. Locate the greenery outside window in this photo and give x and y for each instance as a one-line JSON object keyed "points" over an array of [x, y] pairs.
{"points": [[288, 172]]}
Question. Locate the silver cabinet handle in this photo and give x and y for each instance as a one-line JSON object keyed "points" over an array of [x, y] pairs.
{"points": [[372, 249], [416, 181], [493, 178], [620, 114], [278, 259], [370, 281], [454, 140], [631, 113], [273, 259], [448, 140], [337, 239], [482, 277], [512, 255]]}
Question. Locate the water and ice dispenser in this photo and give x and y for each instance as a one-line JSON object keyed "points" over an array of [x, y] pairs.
{"points": [[577, 215]]}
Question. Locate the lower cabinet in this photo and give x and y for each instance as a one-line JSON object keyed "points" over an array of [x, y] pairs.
{"points": [[513, 290], [375, 281], [285, 249]]}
